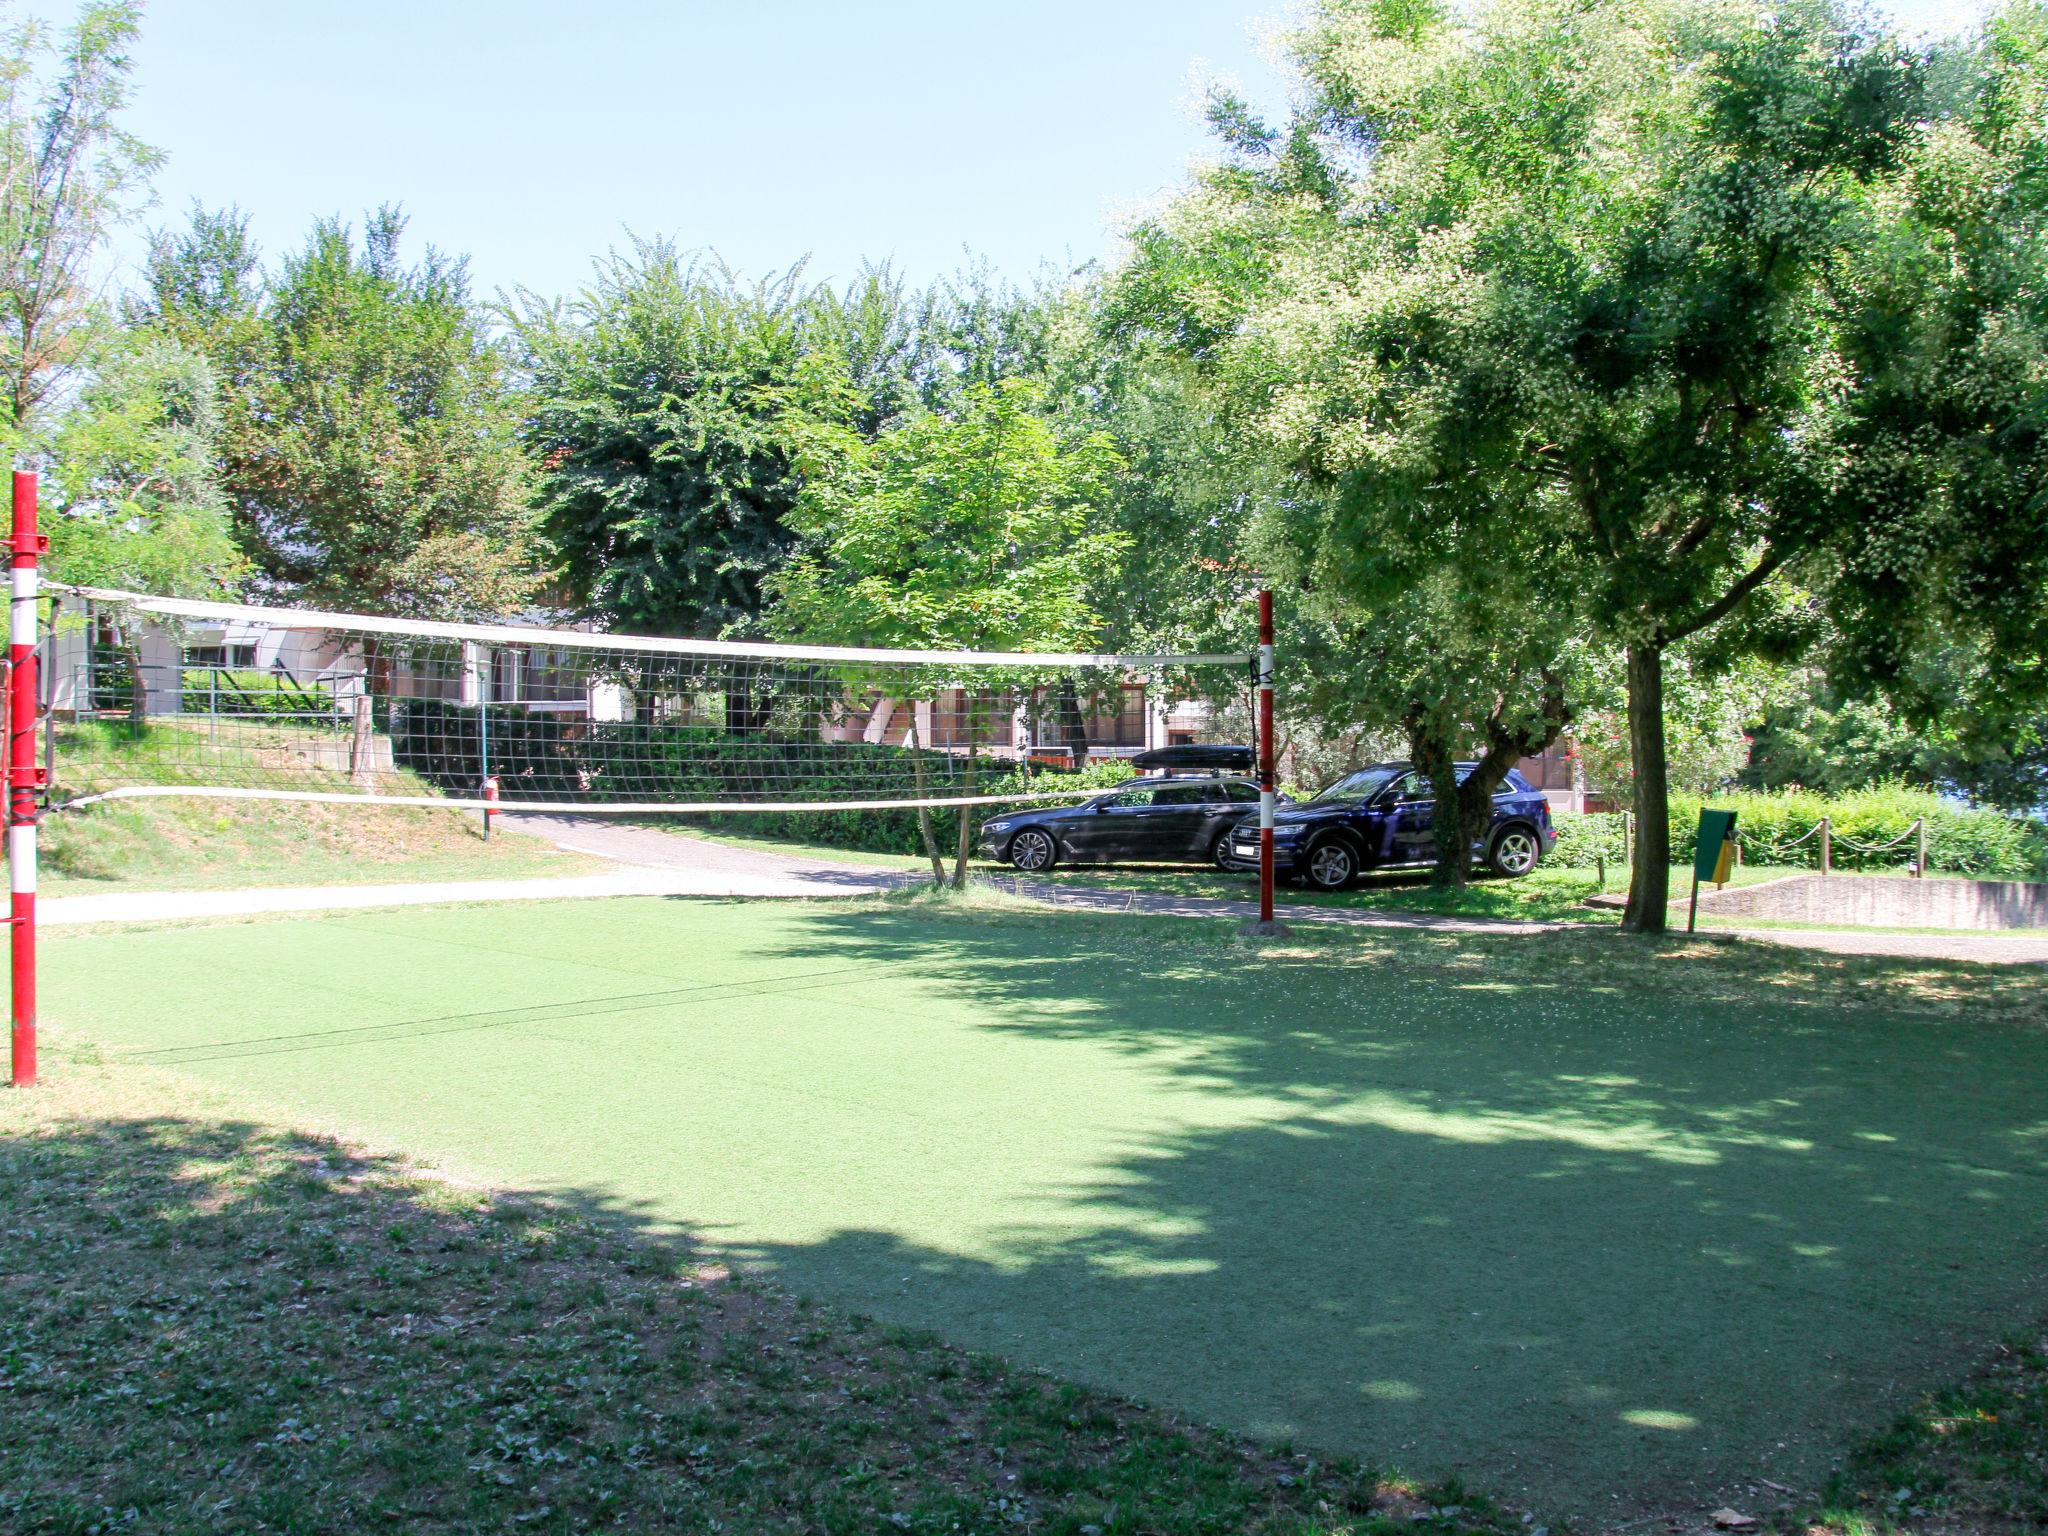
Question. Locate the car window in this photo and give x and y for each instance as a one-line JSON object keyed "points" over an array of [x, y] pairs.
{"points": [[1241, 792], [1410, 786], [1361, 785], [1131, 797], [1184, 794]]}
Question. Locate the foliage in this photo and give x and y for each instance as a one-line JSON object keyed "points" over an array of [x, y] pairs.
{"points": [[369, 437], [975, 533], [251, 694], [1813, 735], [545, 756], [1568, 276], [1586, 841], [133, 493], [980, 532], [69, 173], [896, 831], [664, 407], [1961, 840], [1712, 702], [1778, 828], [1939, 595]]}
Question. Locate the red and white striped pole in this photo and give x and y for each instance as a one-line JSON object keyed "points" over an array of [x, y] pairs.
{"points": [[491, 800], [1268, 781], [24, 778]]}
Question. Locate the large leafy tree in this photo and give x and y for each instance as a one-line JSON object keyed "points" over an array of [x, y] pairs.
{"points": [[980, 531], [1569, 269], [369, 437], [664, 408], [1937, 593], [69, 173]]}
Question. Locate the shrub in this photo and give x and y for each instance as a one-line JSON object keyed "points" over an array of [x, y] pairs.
{"points": [[249, 692], [1582, 841], [1778, 828]]}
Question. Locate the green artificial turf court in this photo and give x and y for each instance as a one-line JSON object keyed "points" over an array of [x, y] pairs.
{"points": [[1567, 1218]]}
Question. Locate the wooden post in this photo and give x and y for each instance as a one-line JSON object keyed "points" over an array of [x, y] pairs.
{"points": [[1827, 846], [1920, 855]]}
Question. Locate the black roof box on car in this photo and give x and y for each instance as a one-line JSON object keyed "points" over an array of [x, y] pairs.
{"points": [[1215, 758]]}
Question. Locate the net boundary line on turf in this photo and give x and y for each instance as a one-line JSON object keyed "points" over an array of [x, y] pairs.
{"points": [[516, 634]]}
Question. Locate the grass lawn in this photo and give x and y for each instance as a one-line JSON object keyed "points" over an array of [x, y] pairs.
{"points": [[1593, 1224], [174, 845], [216, 1323]]}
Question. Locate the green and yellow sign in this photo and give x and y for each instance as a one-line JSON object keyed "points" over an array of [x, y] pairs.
{"points": [[1713, 857]]}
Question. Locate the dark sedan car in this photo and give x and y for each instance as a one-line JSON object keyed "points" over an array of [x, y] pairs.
{"points": [[1180, 819], [1384, 817]]}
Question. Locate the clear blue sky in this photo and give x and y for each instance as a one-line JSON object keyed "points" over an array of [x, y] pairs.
{"points": [[530, 134]]}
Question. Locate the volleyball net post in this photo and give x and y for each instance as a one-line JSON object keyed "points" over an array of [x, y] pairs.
{"points": [[25, 777], [1268, 777]]}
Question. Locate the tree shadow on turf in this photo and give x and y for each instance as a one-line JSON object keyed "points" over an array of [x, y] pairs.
{"points": [[216, 1325], [1547, 1233]]}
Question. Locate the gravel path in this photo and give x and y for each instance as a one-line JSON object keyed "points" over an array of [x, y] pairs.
{"points": [[651, 845]]}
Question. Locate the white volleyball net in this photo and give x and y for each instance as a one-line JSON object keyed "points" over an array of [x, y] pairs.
{"points": [[149, 696]]}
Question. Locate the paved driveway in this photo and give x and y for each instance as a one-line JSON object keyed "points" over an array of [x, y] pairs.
{"points": [[655, 847]]}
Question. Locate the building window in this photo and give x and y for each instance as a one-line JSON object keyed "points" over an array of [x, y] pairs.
{"points": [[239, 655]]}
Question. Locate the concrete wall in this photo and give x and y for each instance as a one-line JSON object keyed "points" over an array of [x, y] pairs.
{"points": [[1886, 901]]}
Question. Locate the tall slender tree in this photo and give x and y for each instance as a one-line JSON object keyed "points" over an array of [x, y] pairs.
{"points": [[69, 173]]}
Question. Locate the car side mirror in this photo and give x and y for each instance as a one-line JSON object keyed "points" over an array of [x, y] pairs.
{"points": [[1101, 806]]}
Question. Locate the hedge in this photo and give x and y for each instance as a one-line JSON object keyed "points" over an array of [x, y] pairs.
{"points": [[1961, 839], [246, 693]]}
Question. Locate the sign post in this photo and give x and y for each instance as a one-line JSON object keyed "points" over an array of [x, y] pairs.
{"points": [[1713, 857]]}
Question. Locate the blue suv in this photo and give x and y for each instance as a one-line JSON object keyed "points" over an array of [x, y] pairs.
{"points": [[1384, 817]]}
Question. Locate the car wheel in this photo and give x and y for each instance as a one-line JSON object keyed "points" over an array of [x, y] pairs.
{"points": [[1331, 866], [1514, 851], [1032, 850], [1219, 853]]}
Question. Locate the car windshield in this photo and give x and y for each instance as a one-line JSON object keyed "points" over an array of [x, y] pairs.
{"points": [[1362, 785]]}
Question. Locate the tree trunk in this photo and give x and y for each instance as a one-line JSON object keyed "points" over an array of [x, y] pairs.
{"points": [[362, 754], [1649, 891], [924, 812], [1072, 725], [966, 822], [1434, 753], [138, 688], [1505, 748]]}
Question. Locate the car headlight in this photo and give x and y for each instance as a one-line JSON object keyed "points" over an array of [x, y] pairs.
{"points": [[1282, 834], [997, 826]]}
